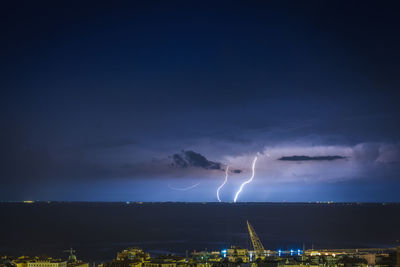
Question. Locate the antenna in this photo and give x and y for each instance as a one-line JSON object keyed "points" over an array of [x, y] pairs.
{"points": [[71, 257]]}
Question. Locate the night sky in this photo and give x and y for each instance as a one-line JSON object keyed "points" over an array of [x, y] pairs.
{"points": [[151, 101]]}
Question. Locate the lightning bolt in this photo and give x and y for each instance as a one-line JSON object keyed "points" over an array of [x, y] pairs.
{"points": [[246, 182], [183, 188], [222, 185]]}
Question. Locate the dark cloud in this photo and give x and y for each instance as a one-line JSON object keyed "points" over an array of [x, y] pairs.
{"points": [[236, 171], [193, 159], [305, 158], [179, 161]]}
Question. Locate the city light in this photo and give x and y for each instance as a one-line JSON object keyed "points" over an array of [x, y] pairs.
{"points": [[223, 253]]}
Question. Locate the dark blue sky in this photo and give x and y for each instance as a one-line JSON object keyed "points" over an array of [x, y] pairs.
{"points": [[124, 101]]}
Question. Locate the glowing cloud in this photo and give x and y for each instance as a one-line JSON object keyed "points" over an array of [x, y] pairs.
{"points": [[222, 185], [246, 182], [183, 188]]}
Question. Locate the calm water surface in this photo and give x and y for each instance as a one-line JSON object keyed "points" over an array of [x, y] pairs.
{"points": [[98, 230]]}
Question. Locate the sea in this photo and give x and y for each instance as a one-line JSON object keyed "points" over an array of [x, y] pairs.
{"points": [[98, 230]]}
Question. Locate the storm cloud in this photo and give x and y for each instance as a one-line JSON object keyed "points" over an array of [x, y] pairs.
{"points": [[309, 158], [193, 159], [327, 114]]}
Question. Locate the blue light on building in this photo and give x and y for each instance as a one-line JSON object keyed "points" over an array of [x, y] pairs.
{"points": [[223, 253]]}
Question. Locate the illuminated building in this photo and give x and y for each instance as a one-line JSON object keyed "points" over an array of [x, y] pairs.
{"points": [[398, 256], [78, 264], [133, 254], [370, 258], [47, 263], [131, 257], [237, 254], [21, 261], [213, 256], [166, 261]]}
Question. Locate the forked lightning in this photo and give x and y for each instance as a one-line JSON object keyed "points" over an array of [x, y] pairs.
{"points": [[222, 185], [246, 182]]}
